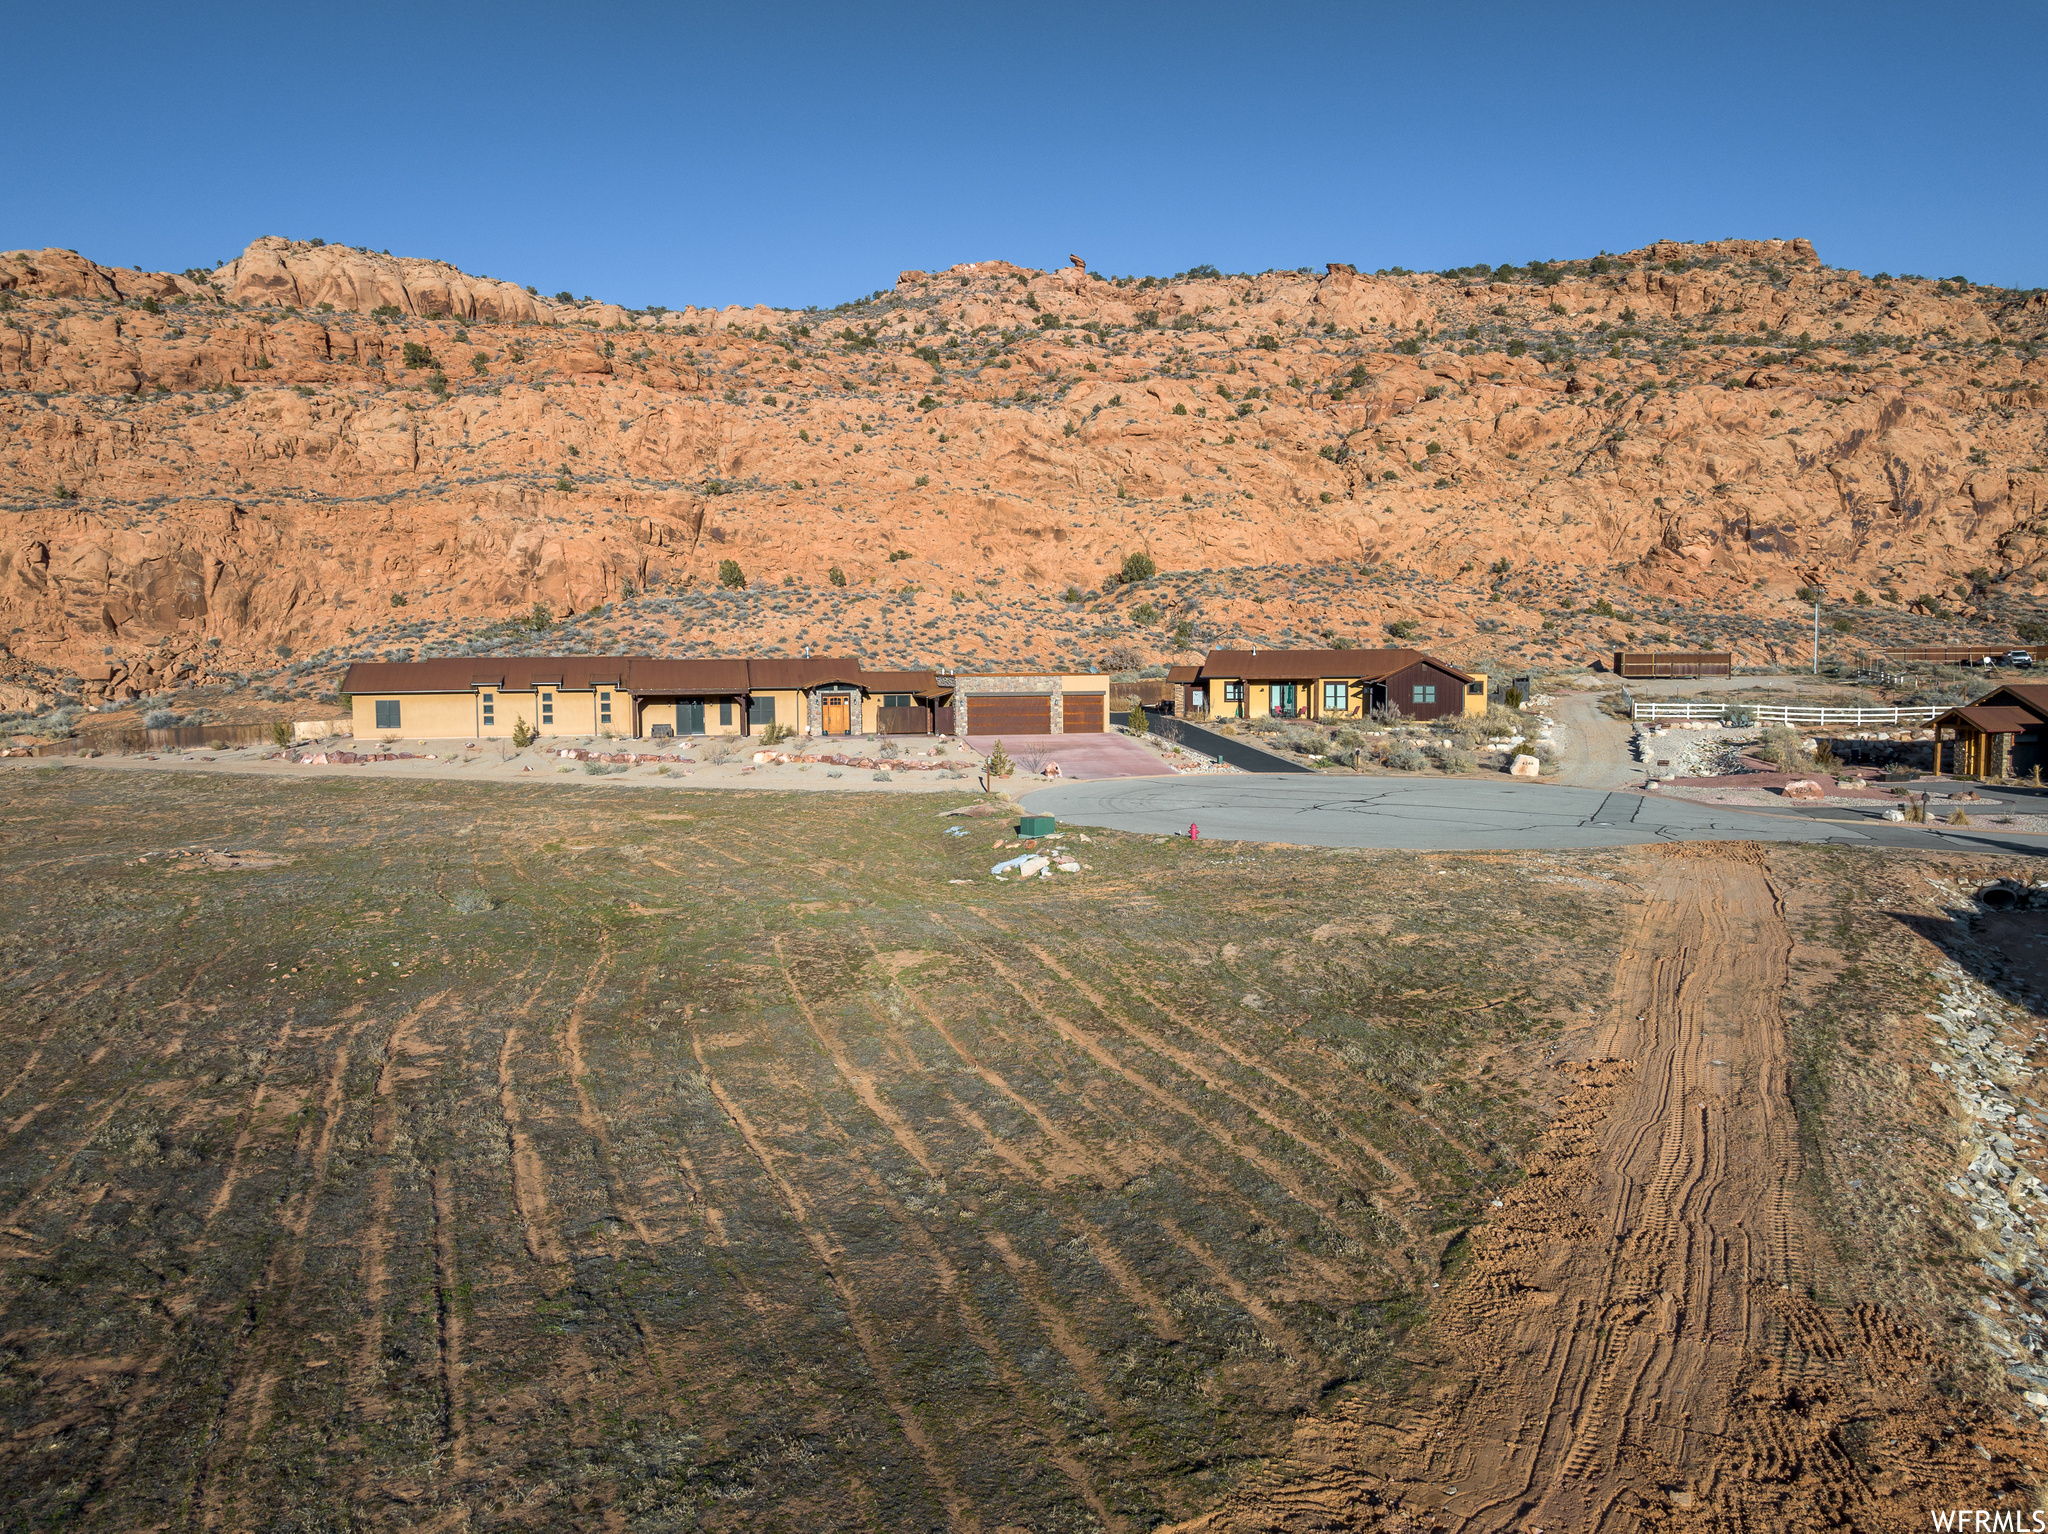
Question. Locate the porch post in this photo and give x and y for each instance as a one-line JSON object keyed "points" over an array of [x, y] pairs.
{"points": [[1937, 751], [746, 722]]}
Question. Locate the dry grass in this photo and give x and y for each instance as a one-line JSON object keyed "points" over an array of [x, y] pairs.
{"points": [[535, 1157]]}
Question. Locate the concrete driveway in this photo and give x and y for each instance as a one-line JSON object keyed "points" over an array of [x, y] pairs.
{"points": [[1081, 758], [1463, 815]]}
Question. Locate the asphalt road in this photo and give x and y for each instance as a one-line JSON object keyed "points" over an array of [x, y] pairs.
{"points": [[1465, 815]]}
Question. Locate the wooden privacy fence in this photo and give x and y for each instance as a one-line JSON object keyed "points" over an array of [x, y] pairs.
{"points": [[1788, 713], [120, 742], [1647, 664]]}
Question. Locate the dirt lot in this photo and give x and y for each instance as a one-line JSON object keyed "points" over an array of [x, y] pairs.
{"points": [[452, 1155]]}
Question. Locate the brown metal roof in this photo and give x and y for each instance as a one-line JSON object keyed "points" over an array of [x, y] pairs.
{"points": [[1183, 673], [1305, 665], [642, 675], [2029, 695], [803, 671], [923, 684], [460, 673], [725, 678], [1992, 720]]}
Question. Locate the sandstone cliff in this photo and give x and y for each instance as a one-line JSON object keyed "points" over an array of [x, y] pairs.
{"points": [[221, 471]]}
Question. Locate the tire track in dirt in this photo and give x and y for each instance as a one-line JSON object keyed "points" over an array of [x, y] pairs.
{"points": [[588, 1114], [959, 1513], [527, 1175], [1215, 1083], [447, 1279], [1636, 1343], [1164, 1326], [1023, 1396], [1107, 1175], [1652, 1359], [1097, 1051], [1401, 1182], [860, 1081]]}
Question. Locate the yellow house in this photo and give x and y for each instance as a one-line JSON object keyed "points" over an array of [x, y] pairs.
{"points": [[1329, 684], [485, 698]]}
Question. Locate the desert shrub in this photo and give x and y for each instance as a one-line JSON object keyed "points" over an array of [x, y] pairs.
{"points": [[1349, 740], [1138, 722], [522, 733], [417, 356], [1781, 747], [999, 763], [730, 576], [1137, 567], [280, 734], [776, 734], [836, 576], [1454, 758], [162, 719], [1406, 758], [471, 902], [716, 750]]}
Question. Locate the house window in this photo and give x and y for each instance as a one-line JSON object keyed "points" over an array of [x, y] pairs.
{"points": [[1475, 689], [604, 708], [1233, 692], [547, 708], [898, 700], [387, 714], [1336, 697], [725, 711], [760, 711], [1425, 692], [490, 703]]}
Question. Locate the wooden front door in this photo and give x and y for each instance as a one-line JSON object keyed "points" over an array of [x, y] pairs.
{"points": [[838, 717]]}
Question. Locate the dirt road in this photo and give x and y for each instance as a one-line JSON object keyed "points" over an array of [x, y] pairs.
{"points": [[1595, 745], [1635, 1323]]}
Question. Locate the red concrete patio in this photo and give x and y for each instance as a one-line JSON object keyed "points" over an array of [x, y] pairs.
{"points": [[1081, 758]]}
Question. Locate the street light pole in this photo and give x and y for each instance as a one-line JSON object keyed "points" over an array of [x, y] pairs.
{"points": [[1816, 633]]}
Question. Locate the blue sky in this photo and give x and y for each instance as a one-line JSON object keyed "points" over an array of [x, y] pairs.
{"points": [[803, 154]]}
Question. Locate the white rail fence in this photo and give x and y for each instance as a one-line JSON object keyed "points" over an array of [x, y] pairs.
{"points": [[1784, 713]]}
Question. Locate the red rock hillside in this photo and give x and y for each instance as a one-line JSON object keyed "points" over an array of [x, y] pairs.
{"points": [[314, 452]]}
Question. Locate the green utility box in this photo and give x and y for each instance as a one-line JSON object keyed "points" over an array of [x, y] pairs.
{"points": [[1035, 825]]}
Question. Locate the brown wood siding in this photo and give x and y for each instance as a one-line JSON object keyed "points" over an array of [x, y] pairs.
{"points": [[1673, 663], [915, 720], [1082, 713], [1450, 691], [998, 713]]}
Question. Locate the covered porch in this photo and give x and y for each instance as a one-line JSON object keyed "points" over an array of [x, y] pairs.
{"points": [[1990, 741]]}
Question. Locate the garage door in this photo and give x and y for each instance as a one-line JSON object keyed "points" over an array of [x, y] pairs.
{"points": [[1082, 712], [1009, 714]]}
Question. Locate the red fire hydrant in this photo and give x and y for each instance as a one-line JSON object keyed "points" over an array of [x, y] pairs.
{"points": [[1194, 832]]}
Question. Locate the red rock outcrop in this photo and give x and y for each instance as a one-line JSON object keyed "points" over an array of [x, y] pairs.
{"points": [[206, 469]]}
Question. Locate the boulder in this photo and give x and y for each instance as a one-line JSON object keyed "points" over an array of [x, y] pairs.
{"points": [[1803, 788], [1525, 766]]}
